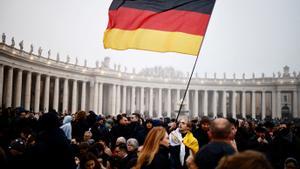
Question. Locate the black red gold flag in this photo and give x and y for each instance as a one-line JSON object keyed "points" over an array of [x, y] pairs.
{"points": [[158, 25]]}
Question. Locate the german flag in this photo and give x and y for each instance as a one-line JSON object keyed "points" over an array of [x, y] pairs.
{"points": [[158, 25]]}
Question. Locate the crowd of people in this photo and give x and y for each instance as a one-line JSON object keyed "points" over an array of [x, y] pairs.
{"points": [[85, 140]]}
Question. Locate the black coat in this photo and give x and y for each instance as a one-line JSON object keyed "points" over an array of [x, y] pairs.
{"points": [[161, 160]]}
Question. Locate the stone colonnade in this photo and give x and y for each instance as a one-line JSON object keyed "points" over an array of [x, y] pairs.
{"points": [[41, 92]]}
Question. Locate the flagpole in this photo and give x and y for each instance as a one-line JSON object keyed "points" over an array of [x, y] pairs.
{"points": [[188, 84]]}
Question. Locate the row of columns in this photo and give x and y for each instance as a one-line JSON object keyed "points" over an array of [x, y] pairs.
{"points": [[118, 101]]}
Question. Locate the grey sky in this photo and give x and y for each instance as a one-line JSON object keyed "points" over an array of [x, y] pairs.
{"points": [[243, 35]]}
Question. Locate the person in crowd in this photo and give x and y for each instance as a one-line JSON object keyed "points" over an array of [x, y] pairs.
{"points": [[209, 155], [155, 151], [291, 163], [67, 127], [80, 125], [87, 137], [137, 130], [102, 152], [148, 126], [234, 126], [120, 140], [282, 146], [52, 148], [89, 160], [200, 133], [121, 129], [132, 149], [121, 160], [245, 160], [183, 143], [100, 131], [243, 135], [16, 154], [259, 141]]}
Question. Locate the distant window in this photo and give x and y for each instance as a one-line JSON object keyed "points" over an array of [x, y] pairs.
{"points": [[285, 98]]}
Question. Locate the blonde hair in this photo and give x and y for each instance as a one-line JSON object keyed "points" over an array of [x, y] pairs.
{"points": [[151, 146]]}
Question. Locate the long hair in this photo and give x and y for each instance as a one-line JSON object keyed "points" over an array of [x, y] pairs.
{"points": [[151, 146]]}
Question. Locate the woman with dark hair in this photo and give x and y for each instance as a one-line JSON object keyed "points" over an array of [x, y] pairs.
{"points": [[148, 125], [89, 161], [155, 152]]}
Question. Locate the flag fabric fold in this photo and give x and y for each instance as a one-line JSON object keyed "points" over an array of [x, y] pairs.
{"points": [[158, 25]]}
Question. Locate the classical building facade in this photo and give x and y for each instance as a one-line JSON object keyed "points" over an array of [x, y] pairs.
{"points": [[40, 83]]}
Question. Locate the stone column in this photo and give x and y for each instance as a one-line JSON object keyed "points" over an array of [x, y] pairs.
{"points": [[279, 104], [91, 95], [177, 99], [205, 103], [100, 96], [132, 99], [142, 101], [18, 89], [96, 92], [28, 91], [295, 101], [196, 103], [74, 97], [215, 103], [66, 96], [37, 93], [244, 104], [83, 96], [233, 104], [56, 94], [274, 104], [113, 99], [118, 99], [46, 94], [263, 104], [169, 110], [224, 104], [9, 88], [253, 105], [124, 100], [1, 83], [151, 103], [187, 99], [159, 102], [137, 99]]}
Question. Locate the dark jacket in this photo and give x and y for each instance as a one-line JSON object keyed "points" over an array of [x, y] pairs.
{"points": [[209, 155], [161, 160]]}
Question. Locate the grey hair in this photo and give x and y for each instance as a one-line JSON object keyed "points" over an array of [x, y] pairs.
{"points": [[133, 142]]}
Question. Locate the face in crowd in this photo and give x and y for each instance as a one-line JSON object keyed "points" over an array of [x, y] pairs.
{"points": [[183, 125], [124, 121], [165, 141]]}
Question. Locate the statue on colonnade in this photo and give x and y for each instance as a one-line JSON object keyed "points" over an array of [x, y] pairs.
{"points": [[3, 37], [21, 45], [12, 42]]}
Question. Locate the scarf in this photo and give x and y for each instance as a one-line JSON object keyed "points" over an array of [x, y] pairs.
{"points": [[175, 140]]}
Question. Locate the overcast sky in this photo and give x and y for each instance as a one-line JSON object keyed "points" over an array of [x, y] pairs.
{"points": [[243, 35]]}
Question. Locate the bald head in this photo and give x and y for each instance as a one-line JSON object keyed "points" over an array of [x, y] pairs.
{"points": [[220, 128]]}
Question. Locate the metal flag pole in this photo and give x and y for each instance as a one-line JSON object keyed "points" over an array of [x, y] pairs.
{"points": [[188, 84]]}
